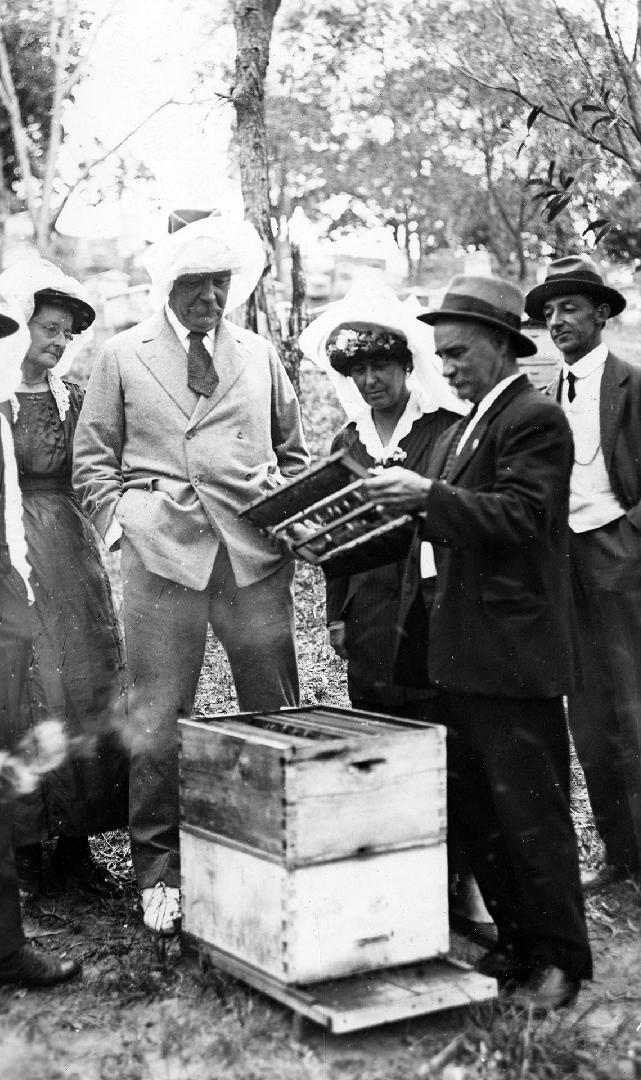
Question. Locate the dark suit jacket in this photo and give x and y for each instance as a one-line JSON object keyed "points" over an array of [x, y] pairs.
{"points": [[501, 621]]}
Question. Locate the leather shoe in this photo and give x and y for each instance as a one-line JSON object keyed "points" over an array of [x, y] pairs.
{"points": [[503, 963], [547, 988], [481, 933], [29, 967], [593, 880]]}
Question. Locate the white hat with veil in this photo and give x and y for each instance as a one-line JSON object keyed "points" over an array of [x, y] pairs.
{"points": [[34, 280], [377, 305]]}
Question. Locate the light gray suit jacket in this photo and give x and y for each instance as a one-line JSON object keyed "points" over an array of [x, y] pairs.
{"points": [[173, 468]]}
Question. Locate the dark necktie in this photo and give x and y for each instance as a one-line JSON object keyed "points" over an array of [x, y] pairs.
{"points": [[571, 386], [201, 374], [453, 447]]}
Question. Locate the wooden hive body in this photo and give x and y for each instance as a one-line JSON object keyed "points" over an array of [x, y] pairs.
{"points": [[313, 841]]}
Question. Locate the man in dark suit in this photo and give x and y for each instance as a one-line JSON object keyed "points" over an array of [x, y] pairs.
{"points": [[500, 643], [601, 397], [19, 963]]}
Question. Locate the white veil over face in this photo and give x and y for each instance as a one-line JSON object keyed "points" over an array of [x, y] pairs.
{"points": [[378, 305], [12, 350]]}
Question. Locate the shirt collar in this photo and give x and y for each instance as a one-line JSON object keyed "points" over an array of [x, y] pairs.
{"points": [[496, 392], [182, 332], [588, 364]]}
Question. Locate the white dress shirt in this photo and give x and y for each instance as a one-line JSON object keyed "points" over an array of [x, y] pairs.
{"points": [[182, 332], [484, 405], [592, 501]]}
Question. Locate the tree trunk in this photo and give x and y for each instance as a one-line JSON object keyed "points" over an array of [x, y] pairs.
{"points": [[253, 20]]}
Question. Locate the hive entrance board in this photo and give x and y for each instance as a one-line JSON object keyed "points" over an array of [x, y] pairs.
{"points": [[324, 511], [363, 1001]]}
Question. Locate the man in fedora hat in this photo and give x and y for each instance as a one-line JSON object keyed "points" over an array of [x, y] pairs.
{"points": [[187, 419], [494, 509], [20, 963], [601, 397]]}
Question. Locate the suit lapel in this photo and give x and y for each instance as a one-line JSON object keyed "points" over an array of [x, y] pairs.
{"points": [[462, 460], [612, 399], [229, 360], [164, 357]]}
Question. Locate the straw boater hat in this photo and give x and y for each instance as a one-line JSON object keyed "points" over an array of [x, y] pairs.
{"points": [[200, 242], [488, 300], [575, 274]]}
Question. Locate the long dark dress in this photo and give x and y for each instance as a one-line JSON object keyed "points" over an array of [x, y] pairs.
{"points": [[78, 673], [368, 602]]}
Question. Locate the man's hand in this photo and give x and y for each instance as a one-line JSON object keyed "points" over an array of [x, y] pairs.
{"points": [[398, 488], [338, 639]]}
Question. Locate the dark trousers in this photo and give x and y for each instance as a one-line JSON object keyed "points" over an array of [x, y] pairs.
{"points": [[605, 714], [508, 801], [15, 653], [165, 633]]}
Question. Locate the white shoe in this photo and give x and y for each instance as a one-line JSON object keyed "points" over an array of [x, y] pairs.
{"points": [[161, 909]]}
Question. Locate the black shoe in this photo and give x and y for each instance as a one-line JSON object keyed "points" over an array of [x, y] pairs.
{"points": [[72, 865], [28, 967], [29, 867], [610, 874], [503, 963], [548, 988], [481, 933]]}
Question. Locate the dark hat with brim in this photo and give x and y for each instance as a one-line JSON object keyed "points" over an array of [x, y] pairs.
{"points": [[82, 313], [7, 324], [488, 300], [571, 276], [179, 218]]}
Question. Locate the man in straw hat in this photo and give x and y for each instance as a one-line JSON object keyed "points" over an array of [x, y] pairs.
{"points": [[495, 510], [187, 419], [601, 397], [20, 963]]}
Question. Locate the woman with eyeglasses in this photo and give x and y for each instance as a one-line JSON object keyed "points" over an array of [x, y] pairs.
{"points": [[77, 675]]}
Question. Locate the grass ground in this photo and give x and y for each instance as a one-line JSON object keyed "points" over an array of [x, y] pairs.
{"points": [[139, 1015]]}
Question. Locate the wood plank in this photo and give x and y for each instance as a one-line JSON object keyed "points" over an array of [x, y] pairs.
{"points": [[366, 913], [372, 796], [316, 922], [364, 1001]]}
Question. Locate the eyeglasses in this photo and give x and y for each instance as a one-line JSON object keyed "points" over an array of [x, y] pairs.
{"points": [[52, 331]]}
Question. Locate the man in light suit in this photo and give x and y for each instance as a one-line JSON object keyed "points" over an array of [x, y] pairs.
{"points": [[601, 396], [499, 645], [187, 419], [20, 963]]}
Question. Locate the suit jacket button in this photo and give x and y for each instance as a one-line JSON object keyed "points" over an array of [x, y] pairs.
{"points": [[196, 481], [189, 434], [240, 435]]}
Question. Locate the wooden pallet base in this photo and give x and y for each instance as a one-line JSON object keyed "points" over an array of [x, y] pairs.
{"points": [[362, 1001]]}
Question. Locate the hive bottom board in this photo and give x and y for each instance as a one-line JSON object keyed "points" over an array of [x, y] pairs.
{"points": [[362, 1001]]}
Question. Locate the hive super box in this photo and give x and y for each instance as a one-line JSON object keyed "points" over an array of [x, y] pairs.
{"points": [[313, 841]]}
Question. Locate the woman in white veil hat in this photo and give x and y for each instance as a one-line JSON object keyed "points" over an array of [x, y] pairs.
{"points": [[387, 378], [77, 675]]}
